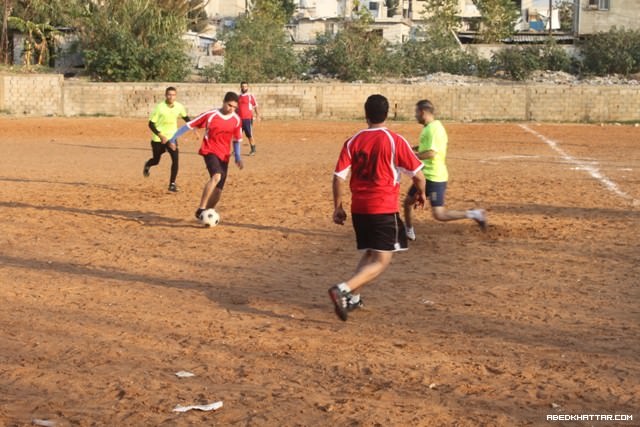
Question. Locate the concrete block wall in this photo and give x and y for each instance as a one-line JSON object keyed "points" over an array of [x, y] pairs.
{"points": [[43, 95], [31, 94]]}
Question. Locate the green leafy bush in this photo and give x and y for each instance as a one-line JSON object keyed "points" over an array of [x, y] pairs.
{"points": [[517, 63], [614, 52], [258, 48], [134, 41]]}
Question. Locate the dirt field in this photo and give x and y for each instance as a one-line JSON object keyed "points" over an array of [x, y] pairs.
{"points": [[108, 286]]}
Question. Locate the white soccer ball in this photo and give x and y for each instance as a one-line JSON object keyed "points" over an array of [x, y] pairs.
{"points": [[210, 218]]}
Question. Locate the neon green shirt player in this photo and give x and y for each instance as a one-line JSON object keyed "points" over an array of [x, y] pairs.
{"points": [[432, 150], [163, 123], [434, 138]]}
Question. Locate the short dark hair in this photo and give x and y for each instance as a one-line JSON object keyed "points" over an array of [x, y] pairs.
{"points": [[244, 83], [230, 96], [169, 89], [426, 105], [376, 109]]}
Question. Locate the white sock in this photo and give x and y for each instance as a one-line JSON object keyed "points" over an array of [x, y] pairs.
{"points": [[355, 298], [344, 288], [471, 213]]}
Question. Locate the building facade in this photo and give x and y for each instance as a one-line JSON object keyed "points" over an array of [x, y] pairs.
{"points": [[593, 16]]}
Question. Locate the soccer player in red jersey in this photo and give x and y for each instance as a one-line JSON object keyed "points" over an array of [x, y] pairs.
{"points": [[247, 106], [375, 157], [222, 126]]}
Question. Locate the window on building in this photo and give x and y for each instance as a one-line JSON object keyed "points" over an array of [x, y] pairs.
{"points": [[599, 4]]}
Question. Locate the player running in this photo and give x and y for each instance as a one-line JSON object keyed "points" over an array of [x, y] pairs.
{"points": [[163, 122], [247, 107], [222, 127], [432, 150], [375, 157]]}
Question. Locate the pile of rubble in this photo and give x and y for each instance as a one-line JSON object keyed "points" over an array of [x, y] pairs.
{"points": [[537, 77]]}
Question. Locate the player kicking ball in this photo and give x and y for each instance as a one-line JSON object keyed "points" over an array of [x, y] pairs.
{"points": [[373, 156], [222, 127], [432, 151]]}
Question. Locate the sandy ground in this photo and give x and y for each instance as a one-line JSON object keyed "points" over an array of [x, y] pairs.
{"points": [[108, 286]]}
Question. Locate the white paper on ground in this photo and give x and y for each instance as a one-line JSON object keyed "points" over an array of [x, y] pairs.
{"points": [[184, 374], [210, 407], [43, 423]]}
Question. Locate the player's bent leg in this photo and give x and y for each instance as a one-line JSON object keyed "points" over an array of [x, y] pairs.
{"points": [[440, 213], [214, 199], [208, 190], [408, 217], [343, 295], [157, 150], [175, 159], [372, 266]]}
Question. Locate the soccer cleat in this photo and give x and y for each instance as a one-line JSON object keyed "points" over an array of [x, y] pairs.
{"points": [[411, 233], [198, 213], [173, 187], [339, 299], [145, 171], [480, 217], [353, 305]]}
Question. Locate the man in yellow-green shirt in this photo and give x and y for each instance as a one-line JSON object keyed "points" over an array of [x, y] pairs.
{"points": [[163, 122], [432, 151]]}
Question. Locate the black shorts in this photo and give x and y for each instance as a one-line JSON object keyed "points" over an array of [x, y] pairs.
{"points": [[380, 232], [214, 166], [435, 192]]}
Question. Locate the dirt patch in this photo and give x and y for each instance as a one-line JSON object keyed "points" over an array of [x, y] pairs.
{"points": [[109, 286]]}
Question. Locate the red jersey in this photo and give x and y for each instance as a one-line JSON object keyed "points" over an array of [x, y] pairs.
{"points": [[376, 157], [220, 131], [246, 103]]}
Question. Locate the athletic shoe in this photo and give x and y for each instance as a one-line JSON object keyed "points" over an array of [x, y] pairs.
{"points": [[173, 187], [351, 305], [198, 213], [145, 171], [339, 299], [411, 233], [479, 216]]}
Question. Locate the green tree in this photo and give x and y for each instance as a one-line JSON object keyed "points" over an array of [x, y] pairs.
{"points": [[49, 12], [439, 51], [259, 49], [36, 19], [192, 10], [36, 45], [134, 40], [279, 10], [356, 52], [442, 17], [498, 19]]}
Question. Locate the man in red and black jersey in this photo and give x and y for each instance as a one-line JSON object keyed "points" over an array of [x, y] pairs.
{"points": [[375, 157], [222, 126]]}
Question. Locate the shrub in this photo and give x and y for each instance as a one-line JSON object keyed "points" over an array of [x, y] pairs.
{"points": [[517, 63], [614, 52], [133, 41]]}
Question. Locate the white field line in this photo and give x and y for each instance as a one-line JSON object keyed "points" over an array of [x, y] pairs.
{"points": [[585, 166]]}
